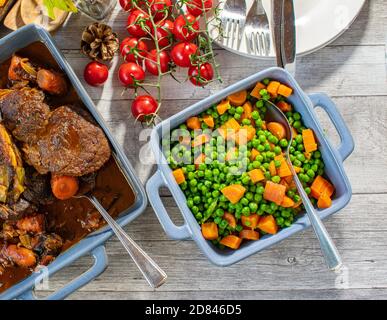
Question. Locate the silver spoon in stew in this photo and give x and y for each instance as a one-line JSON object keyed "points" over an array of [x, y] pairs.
{"points": [[328, 248], [153, 274]]}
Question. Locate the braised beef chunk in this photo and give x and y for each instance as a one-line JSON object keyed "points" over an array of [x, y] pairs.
{"points": [[25, 114], [61, 142], [69, 146], [38, 188], [21, 69]]}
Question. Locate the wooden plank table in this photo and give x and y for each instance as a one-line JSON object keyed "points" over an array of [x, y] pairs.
{"points": [[352, 71]]}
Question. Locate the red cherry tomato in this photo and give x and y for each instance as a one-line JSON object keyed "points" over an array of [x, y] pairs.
{"points": [[195, 7], [186, 27], [200, 75], [164, 33], [126, 5], [132, 49], [143, 107], [95, 73], [160, 8], [151, 62], [129, 73], [138, 20], [182, 52]]}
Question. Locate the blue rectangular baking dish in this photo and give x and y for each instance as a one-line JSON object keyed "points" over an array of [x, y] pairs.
{"points": [[93, 244], [333, 158]]}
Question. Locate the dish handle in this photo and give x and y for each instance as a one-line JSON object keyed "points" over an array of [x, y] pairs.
{"points": [[347, 144], [99, 266], [173, 231]]}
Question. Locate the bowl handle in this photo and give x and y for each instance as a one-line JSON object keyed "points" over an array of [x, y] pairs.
{"points": [[173, 231], [99, 266], [347, 144]]}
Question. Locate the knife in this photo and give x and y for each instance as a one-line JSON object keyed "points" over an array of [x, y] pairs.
{"points": [[288, 44], [277, 17]]}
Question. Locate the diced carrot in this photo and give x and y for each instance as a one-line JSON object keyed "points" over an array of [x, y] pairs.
{"points": [[324, 201], [230, 219], [193, 123], [64, 187], [244, 135], [284, 183], [320, 186], [277, 129], [251, 221], [284, 91], [210, 231], [268, 224], [272, 88], [288, 179], [223, 106], [297, 169], [254, 153], [231, 154], [201, 158], [272, 169], [287, 202], [310, 144], [179, 175], [229, 129], [238, 98], [255, 92], [200, 139], [284, 106], [247, 110], [283, 170], [234, 192], [307, 155], [274, 192], [256, 175], [295, 133], [208, 120], [249, 235], [231, 241]]}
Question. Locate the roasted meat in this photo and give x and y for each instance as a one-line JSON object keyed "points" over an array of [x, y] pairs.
{"points": [[22, 70], [16, 210], [61, 142], [11, 169], [31, 224], [25, 114], [37, 187]]}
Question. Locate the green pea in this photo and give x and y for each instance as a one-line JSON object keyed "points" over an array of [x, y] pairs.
{"points": [[267, 175], [300, 147], [239, 110], [310, 173], [246, 211], [259, 123], [253, 206], [317, 154], [308, 190], [231, 110], [258, 197], [277, 150], [259, 104], [296, 116], [273, 139], [249, 196], [255, 115], [261, 148], [260, 190], [297, 124], [297, 163], [300, 157], [283, 143], [237, 116], [298, 139]]}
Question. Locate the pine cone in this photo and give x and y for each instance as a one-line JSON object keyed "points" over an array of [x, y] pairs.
{"points": [[99, 42]]}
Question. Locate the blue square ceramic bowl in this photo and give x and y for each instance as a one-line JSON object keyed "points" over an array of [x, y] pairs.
{"points": [[333, 158], [93, 244]]}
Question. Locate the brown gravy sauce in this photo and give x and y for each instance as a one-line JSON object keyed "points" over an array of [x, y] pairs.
{"points": [[71, 218]]}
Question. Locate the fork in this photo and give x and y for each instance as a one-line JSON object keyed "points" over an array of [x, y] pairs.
{"points": [[233, 17], [257, 31]]}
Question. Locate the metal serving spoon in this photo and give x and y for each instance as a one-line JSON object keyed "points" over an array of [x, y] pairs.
{"points": [[328, 248], [153, 274]]}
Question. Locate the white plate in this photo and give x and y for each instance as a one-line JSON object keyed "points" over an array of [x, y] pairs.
{"points": [[317, 23]]}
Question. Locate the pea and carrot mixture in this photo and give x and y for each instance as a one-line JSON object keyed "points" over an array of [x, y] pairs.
{"points": [[232, 169]]}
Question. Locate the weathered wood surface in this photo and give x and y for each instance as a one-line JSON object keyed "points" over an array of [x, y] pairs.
{"points": [[352, 70]]}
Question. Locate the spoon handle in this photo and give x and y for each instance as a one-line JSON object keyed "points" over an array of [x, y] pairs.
{"points": [[328, 248], [150, 270]]}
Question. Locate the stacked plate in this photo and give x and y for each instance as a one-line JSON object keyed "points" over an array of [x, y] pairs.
{"points": [[317, 24]]}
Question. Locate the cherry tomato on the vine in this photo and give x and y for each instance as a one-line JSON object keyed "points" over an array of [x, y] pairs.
{"points": [[186, 27], [182, 52], [164, 33], [200, 75], [160, 8], [126, 5], [138, 23], [133, 49], [130, 73], [195, 7], [151, 62], [96, 73], [144, 107]]}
